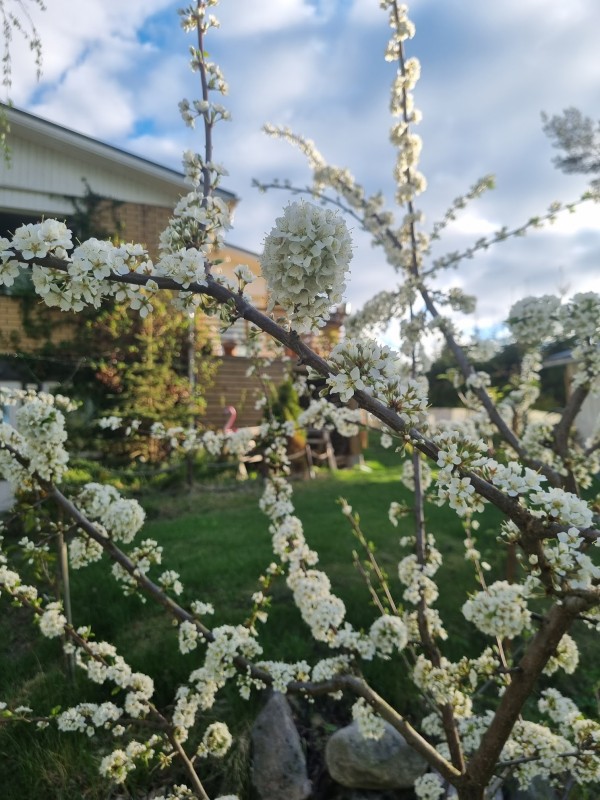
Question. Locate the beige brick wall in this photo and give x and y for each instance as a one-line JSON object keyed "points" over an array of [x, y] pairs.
{"points": [[13, 336], [138, 223]]}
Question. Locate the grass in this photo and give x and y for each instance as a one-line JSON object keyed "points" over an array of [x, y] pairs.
{"points": [[218, 540]]}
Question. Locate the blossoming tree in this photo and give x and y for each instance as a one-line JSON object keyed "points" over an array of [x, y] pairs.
{"points": [[473, 733]]}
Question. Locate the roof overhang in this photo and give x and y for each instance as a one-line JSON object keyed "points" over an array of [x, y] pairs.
{"points": [[65, 141]]}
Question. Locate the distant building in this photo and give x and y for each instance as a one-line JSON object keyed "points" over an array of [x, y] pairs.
{"points": [[588, 419]]}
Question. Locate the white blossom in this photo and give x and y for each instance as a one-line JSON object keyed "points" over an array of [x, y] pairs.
{"points": [[305, 259], [500, 610]]}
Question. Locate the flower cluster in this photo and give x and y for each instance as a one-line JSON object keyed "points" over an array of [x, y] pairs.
{"points": [[323, 414], [283, 674], [457, 450], [565, 658], [580, 319], [37, 441], [570, 566], [229, 642], [547, 750], [583, 734], [443, 685], [370, 725], [146, 554], [564, 506], [52, 621], [533, 320], [87, 717], [305, 260], [197, 226], [40, 240], [429, 787], [322, 610], [363, 365], [216, 443], [389, 634], [118, 764], [188, 637], [116, 517], [513, 478], [500, 610], [216, 741]]}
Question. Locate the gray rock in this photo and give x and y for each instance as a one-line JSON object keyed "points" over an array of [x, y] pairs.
{"points": [[278, 762], [386, 763]]}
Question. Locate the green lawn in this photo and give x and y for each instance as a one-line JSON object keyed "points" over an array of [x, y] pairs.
{"points": [[218, 540]]}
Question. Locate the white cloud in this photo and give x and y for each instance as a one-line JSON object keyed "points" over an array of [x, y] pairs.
{"points": [[67, 30], [488, 70], [240, 18], [365, 12], [472, 224]]}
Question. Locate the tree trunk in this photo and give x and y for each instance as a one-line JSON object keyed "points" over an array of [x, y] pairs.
{"points": [[471, 792]]}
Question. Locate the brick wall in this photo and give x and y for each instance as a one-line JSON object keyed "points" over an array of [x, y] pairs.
{"points": [[14, 336], [138, 223], [233, 387]]}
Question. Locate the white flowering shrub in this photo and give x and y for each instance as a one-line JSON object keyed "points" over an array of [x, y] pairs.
{"points": [[474, 732]]}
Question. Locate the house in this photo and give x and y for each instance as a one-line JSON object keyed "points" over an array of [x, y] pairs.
{"points": [[53, 172], [587, 420]]}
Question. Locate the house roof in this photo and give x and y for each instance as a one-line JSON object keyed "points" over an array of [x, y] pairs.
{"points": [[49, 161], [559, 359]]}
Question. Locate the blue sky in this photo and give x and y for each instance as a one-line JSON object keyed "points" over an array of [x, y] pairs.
{"points": [[117, 70]]}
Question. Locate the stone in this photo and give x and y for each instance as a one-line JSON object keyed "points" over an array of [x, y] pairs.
{"points": [[386, 763], [278, 761]]}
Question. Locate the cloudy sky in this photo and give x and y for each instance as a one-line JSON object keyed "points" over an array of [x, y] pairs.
{"points": [[116, 69]]}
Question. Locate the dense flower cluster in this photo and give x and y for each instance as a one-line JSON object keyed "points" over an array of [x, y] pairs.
{"points": [[581, 319], [458, 450], [197, 226], [370, 725], [442, 685], [37, 441], [389, 634], [570, 565], [215, 443], [500, 610], [144, 556], [322, 610], [533, 320], [323, 414], [429, 787], [116, 517], [305, 260], [87, 717], [565, 658], [363, 365], [118, 764], [216, 741], [52, 621], [188, 637], [229, 643]]}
